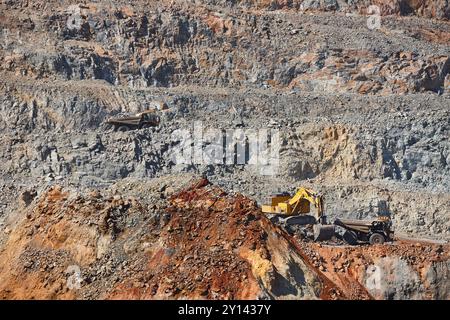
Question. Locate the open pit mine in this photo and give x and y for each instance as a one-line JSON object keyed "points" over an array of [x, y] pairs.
{"points": [[216, 150]]}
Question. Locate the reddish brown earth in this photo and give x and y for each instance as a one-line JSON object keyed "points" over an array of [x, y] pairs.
{"points": [[218, 246], [213, 245], [206, 245], [347, 266], [362, 112]]}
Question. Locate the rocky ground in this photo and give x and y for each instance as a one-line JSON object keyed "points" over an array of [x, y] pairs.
{"points": [[163, 239], [363, 115]]}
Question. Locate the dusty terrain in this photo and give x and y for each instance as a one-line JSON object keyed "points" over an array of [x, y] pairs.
{"points": [[195, 242], [363, 116]]}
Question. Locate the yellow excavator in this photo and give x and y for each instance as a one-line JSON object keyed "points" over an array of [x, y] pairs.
{"points": [[287, 211]]}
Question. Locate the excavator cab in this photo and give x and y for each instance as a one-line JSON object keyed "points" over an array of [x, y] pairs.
{"points": [[280, 205], [299, 204]]}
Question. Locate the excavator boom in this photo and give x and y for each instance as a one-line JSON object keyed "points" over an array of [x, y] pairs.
{"points": [[298, 204]]}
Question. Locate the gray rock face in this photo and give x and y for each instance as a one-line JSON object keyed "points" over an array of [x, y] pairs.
{"points": [[407, 154], [398, 281], [141, 48], [363, 115]]}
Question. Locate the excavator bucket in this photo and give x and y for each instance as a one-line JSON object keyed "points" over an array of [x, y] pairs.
{"points": [[323, 232]]}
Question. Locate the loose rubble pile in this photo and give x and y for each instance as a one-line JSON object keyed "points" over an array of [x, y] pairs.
{"points": [[362, 115], [374, 271], [199, 243]]}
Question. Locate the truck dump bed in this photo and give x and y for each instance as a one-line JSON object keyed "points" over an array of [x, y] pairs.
{"points": [[359, 225], [125, 120]]}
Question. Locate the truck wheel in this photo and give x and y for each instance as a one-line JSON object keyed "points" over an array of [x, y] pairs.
{"points": [[376, 238], [350, 237], [123, 128]]}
